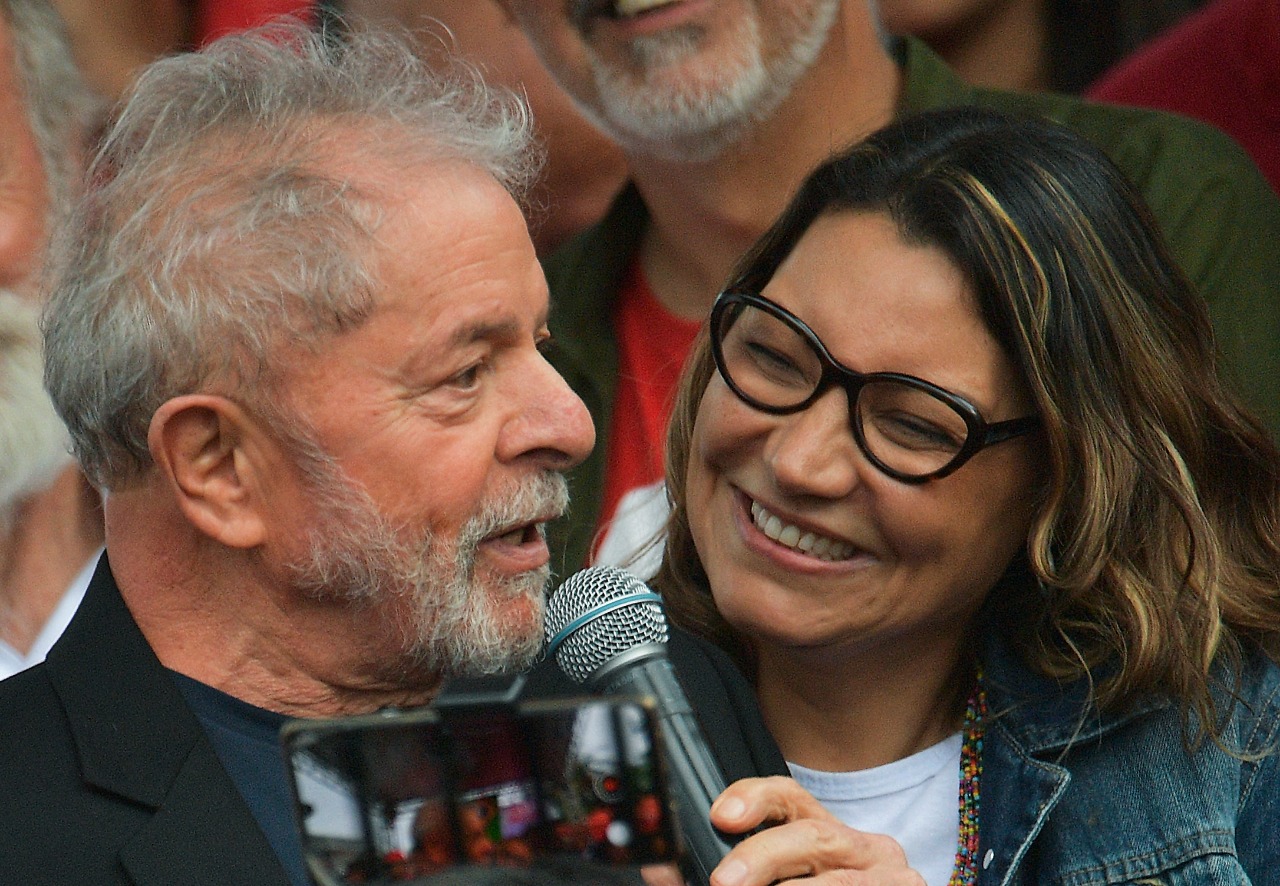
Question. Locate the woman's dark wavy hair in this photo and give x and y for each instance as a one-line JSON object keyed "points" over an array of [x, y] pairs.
{"points": [[1155, 541]]}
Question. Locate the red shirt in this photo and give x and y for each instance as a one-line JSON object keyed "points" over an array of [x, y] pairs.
{"points": [[652, 346], [214, 18]]}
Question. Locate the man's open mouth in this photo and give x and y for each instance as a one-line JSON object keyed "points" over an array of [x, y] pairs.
{"points": [[518, 535], [586, 10]]}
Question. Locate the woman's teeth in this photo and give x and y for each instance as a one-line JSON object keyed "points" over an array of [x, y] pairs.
{"points": [[819, 546]]}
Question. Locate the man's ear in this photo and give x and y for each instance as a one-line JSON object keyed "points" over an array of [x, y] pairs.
{"points": [[211, 452]]}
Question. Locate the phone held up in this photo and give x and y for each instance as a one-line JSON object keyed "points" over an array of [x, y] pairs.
{"points": [[572, 787]]}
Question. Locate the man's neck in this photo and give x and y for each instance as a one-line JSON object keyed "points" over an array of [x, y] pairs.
{"points": [[54, 533], [705, 216], [289, 675], [262, 649], [220, 615]]}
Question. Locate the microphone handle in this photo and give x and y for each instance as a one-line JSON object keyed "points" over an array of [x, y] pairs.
{"points": [[694, 778]]}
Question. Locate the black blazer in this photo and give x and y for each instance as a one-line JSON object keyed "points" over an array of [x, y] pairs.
{"points": [[107, 777]]}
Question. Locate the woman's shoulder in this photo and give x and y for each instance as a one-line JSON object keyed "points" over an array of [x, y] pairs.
{"points": [[1048, 715], [1249, 695], [1132, 794], [1104, 752]]}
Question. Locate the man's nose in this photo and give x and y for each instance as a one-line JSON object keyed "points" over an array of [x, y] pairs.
{"points": [[552, 425]]}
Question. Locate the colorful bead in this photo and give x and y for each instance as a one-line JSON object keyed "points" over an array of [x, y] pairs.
{"points": [[966, 869]]}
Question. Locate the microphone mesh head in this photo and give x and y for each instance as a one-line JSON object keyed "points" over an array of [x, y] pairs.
{"points": [[607, 634]]}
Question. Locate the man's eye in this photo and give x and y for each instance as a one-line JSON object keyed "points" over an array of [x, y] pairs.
{"points": [[467, 378]]}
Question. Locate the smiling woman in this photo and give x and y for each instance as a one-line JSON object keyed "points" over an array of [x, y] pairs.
{"points": [[956, 481]]}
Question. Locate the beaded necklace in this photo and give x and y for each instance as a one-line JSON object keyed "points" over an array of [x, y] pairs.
{"points": [[966, 870]]}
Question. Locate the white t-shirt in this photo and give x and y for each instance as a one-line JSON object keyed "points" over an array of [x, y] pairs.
{"points": [[914, 800]]}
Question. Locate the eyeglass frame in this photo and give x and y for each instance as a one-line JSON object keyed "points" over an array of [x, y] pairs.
{"points": [[979, 433]]}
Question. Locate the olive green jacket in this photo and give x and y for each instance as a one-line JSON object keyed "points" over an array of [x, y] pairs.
{"points": [[1217, 212]]}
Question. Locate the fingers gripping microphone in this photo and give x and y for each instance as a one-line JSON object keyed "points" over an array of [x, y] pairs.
{"points": [[607, 631]]}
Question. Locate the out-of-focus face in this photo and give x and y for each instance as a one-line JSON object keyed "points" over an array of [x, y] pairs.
{"points": [[807, 545], [33, 440], [443, 431], [24, 198], [679, 79], [584, 168]]}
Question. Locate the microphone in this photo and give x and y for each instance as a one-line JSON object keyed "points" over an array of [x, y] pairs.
{"points": [[607, 630]]}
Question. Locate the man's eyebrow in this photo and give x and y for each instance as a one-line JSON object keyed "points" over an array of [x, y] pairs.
{"points": [[490, 330], [487, 330]]}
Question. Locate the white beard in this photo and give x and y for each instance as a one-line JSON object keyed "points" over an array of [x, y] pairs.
{"points": [[667, 106], [34, 444], [454, 624]]}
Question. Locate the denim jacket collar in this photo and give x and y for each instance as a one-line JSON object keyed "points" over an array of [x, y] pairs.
{"points": [[1043, 716], [1073, 797], [1033, 722]]}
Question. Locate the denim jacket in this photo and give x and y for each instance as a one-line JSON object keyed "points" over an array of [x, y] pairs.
{"points": [[1072, 798]]}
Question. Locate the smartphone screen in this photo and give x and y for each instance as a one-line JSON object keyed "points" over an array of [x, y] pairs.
{"points": [[557, 785]]}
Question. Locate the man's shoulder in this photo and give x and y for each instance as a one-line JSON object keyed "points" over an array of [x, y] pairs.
{"points": [[110, 788], [720, 695], [39, 775], [1142, 141], [726, 705], [1161, 151]]}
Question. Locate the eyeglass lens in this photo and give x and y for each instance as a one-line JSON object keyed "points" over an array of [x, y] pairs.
{"points": [[772, 365]]}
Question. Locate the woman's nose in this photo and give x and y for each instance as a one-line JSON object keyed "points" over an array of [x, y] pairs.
{"points": [[813, 452]]}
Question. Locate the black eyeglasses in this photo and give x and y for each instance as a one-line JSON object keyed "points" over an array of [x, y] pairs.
{"points": [[907, 427]]}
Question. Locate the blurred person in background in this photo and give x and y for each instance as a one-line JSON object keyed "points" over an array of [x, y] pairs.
{"points": [[584, 169], [1060, 45], [50, 520], [1222, 66], [44, 124], [113, 39]]}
